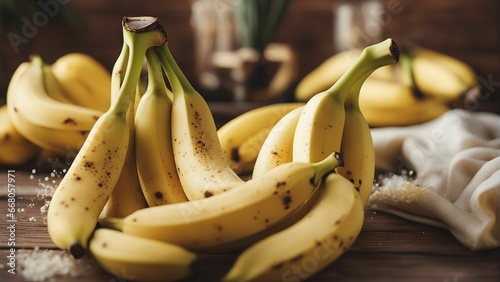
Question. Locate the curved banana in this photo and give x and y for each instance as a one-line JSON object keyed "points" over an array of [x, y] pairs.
{"points": [[127, 196], [277, 148], [60, 141], [357, 146], [330, 70], [15, 149], [241, 138], [238, 213], [466, 75], [199, 157], [436, 80], [318, 239], [140, 259], [29, 95], [54, 140], [84, 80], [386, 103], [319, 129], [243, 243], [155, 156], [91, 178]]}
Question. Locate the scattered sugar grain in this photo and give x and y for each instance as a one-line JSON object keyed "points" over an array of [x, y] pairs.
{"points": [[398, 188], [41, 265]]}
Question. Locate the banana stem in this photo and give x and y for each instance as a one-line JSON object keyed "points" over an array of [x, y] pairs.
{"points": [[139, 34], [328, 164], [409, 76], [155, 74], [176, 78], [119, 69], [371, 58], [352, 99]]}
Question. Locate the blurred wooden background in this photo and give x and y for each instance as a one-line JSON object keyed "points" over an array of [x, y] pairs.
{"points": [[466, 29]]}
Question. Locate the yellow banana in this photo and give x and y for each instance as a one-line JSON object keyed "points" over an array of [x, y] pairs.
{"points": [[386, 103], [127, 196], [52, 85], [29, 95], [60, 141], [84, 80], [311, 244], [155, 156], [91, 178], [241, 138], [357, 146], [435, 80], [277, 148], [140, 259], [15, 149], [199, 157], [319, 129], [238, 213], [330, 70], [449, 81]]}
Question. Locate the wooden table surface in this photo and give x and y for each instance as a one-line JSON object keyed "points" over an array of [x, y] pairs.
{"points": [[387, 248]]}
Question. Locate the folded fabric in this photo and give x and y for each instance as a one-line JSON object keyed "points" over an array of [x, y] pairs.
{"points": [[456, 158]]}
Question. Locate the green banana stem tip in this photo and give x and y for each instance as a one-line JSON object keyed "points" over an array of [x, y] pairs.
{"points": [[329, 164], [139, 33], [409, 75], [175, 76], [371, 58]]}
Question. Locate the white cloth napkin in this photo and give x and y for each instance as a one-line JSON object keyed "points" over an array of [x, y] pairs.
{"points": [[456, 158]]}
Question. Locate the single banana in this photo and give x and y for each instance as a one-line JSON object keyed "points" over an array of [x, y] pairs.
{"points": [[29, 95], [127, 196], [287, 221], [436, 80], [329, 71], [140, 259], [199, 157], [241, 138], [277, 148], [240, 212], [319, 129], [15, 149], [155, 156], [60, 141], [84, 80], [357, 146], [464, 72], [386, 103], [87, 185], [308, 246]]}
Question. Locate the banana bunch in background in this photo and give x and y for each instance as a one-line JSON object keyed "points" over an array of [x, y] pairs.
{"points": [[51, 108], [423, 86], [164, 185]]}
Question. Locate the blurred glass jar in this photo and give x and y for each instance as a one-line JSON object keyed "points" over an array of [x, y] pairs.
{"points": [[213, 25], [225, 69], [357, 23]]}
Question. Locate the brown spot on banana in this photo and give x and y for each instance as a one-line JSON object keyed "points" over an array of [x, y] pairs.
{"points": [[69, 121]]}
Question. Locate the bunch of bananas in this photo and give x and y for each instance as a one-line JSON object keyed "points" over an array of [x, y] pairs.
{"points": [[154, 172], [423, 86], [51, 108]]}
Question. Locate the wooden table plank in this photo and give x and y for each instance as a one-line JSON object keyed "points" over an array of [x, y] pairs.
{"points": [[388, 247]]}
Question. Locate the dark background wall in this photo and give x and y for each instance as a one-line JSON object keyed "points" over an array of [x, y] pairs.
{"points": [[466, 29]]}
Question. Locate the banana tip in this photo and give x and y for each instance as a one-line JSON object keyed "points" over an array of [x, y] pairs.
{"points": [[77, 250], [394, 49]]}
